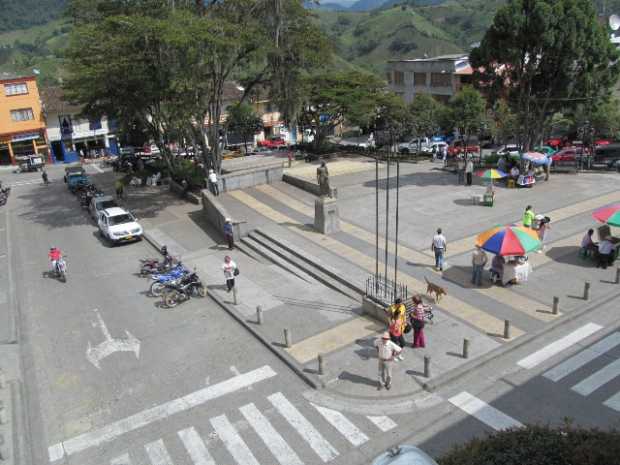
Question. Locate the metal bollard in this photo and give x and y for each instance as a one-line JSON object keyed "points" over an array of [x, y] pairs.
{"points": [[234, 291], [259, 315], [506, 329], [427, 366], [321, 364], [287, 338], [556, 305], [618, 275], [465, 348], [586, 291]]}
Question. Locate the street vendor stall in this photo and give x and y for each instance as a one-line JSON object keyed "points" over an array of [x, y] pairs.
{"points": [[610, 216], [511, 244]]}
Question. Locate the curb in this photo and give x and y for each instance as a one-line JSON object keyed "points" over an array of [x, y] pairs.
{"points": [[285, 358]]}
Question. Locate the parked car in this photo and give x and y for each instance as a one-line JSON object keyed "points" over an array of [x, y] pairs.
{"points": [[608, 155], [601, 142], [100, 203], [458, 147], [118, 225], [509, 150], [73, 169], [547, 150], [434, 147], [76, 179], [272, 142], [414, 145], [30, 163], [567, 154]]}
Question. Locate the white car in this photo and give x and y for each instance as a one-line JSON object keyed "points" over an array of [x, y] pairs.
{"points": [[510, 150], [435, 147], [423, 144], [118, 225]]}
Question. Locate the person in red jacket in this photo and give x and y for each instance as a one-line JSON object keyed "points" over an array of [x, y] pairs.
{"points": [[54, 255]]}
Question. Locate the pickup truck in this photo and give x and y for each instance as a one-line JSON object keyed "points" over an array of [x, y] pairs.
{"points": [[76, 179], [458, 147]]}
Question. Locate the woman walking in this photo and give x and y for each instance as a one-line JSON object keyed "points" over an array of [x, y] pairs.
{"points": [[396, 335], [417, 322], [230, 271]]}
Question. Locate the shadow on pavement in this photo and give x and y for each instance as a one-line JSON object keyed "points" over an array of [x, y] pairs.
{"points": [[570, 255], [356, 379]]}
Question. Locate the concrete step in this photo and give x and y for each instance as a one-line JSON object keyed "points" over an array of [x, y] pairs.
{"points": [[263, 252], [309, 264]]}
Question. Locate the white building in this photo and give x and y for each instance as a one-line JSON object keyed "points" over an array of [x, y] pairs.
{"points": [[69, 134]]}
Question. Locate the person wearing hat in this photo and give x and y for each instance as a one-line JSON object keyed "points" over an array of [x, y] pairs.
{"points": [[386, 350], [228, 233], [478, 260], [213, 183]]}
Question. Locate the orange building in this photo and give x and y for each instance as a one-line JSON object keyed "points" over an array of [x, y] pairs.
{"points": [[22, 123]]}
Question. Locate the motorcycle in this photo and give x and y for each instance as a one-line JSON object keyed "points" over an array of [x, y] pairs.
{"points": [[187, 287], [160, 280]]}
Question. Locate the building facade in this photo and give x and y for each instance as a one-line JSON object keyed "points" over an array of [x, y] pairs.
{"points": [[22, 123], [71, 134], [441, 76]]}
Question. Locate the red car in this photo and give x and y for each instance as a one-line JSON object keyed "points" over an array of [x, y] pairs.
{"points": [[272, 143], [458, 146], [567, 154], [601, 142]]}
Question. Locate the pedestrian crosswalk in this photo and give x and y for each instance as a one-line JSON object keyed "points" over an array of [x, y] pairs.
{"points": [[287, 432]]}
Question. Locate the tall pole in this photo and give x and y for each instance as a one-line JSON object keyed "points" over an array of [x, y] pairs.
{"points": [[377, 222], [387, 213], [396, 237]]}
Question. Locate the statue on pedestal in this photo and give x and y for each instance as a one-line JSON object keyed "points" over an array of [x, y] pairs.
{"points": [[322, 177]]}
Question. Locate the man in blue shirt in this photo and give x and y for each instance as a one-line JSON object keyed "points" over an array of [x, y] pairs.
{"points": [[228, 233]]}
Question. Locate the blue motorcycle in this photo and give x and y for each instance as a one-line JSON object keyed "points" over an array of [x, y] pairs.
{"points": [[160, 280]]}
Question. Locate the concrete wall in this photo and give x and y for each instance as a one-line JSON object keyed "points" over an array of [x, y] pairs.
{"points": [[243, 179], [373, 310], [306, 185], [216, 215]]}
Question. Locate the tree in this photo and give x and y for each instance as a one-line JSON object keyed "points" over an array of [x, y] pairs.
{"points": [[425, 114], [331, 97], [392, 118], [244, 121], [543, 55], [503, 122], [467, 110]]}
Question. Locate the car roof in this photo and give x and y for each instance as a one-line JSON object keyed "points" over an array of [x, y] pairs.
{"points": [[103, 198], [115, 211]]}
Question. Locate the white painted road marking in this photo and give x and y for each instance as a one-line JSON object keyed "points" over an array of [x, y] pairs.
{"points": [[118, 428], [308, 432], [95, 354], [121, 460], [613, 402], [558, 346], [584, 357], [272, 439], [382, 422], [195, 447], [598, 379], [233, 442], [484, 412], [353, 434], [158, 453]]}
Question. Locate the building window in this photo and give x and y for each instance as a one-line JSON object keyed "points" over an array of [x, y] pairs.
{"points": [[399, 78], [18, 88], [441, 80], [419, 79], [24, 114]]}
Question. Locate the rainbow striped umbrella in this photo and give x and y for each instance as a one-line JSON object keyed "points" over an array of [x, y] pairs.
{"points": [[609, 214], [491, 174], [509, 240]]}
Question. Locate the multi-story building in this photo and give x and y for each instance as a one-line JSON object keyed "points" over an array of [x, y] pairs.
{"points": [[441, 76], [22, 124]]}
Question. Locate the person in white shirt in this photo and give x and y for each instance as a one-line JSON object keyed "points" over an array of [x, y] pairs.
{"points": [[605, 253], [213, 183], [230, 271], [478, 260], [469, 170], [386, 351], [439, 246]]}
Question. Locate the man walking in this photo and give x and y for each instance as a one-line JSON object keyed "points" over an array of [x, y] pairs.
{"points": [[228, 233], [478, 260], [439, 247], [215, 189], [460, 170], [469, 170], [386, 350]]}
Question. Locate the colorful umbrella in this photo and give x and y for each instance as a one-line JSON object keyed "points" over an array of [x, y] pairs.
{"points": [[536, 158], [491, 174], [609, 214], [509, 240]]}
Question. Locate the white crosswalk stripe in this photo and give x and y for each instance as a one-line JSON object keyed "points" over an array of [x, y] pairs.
{"points": [[233, 442], [308, 432], [195, 447], [121, 460], [598, 379], [382, 422], [272, 439], [158, 454], [613, 402], [353, 434], [484, 412], [584, 357]]}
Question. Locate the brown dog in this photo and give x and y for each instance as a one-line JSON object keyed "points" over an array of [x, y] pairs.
{"points": [[432, 288]]}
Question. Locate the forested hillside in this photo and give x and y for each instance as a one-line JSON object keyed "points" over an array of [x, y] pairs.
{"points": [[22, 14]]}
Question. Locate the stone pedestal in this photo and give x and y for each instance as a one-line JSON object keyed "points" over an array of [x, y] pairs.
{"points": [[326, 218]]}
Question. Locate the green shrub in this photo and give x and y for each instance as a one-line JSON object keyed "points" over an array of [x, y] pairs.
{"points": [[186, 169], [534, 445]]}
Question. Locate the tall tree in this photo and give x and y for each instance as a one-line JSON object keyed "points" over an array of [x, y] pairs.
{"points": [[543, 55], [425, 114], [467, 110], [243, 120]]}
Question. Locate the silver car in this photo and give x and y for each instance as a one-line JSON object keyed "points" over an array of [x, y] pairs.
{"points": [[404, 455]]}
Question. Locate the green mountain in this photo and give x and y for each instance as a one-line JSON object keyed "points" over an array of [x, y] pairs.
{"points": [[23, 14]]}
